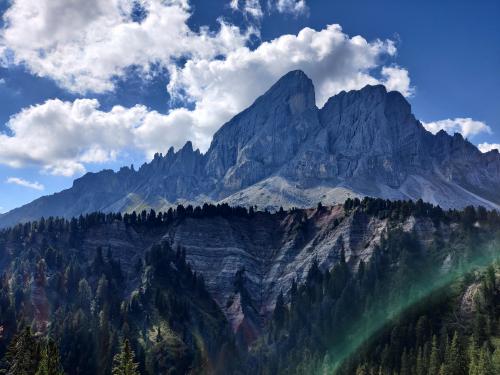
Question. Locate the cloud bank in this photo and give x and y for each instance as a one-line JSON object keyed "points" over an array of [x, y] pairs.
{"points": [[61, 137]]}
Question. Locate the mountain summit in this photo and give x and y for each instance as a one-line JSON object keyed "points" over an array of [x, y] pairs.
{"points": [[284, 151]]}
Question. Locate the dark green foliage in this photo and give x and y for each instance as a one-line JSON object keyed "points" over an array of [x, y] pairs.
{"points": [[89, 300], [333, 305], [49, 363], [30, 355], [124, 362], [91, 303], [23, 354], [439, 346]]}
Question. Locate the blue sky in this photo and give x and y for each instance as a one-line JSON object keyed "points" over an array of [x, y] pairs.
{"points": [[100, 84]]}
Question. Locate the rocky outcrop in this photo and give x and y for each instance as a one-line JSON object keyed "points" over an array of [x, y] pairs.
{"points": [[284, 151], [266, 253]]}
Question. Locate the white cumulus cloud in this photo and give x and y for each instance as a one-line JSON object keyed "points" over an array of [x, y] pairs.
{"points": [[294, 7], [251, 7], [255, 8], [22, 182], [465, 126], [485, 147], [61, 137], [85, 45], [397, 79]]}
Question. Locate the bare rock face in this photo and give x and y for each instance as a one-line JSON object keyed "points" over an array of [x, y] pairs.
{"points": [[468, 301], [248, 261], [284, 151], [374, 136], [260, 140]]}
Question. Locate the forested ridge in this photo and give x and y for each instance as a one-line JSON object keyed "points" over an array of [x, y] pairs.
{"points": [[395, 314], [417, 306]]}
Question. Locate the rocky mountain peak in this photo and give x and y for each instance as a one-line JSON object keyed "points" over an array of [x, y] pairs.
{"points": [[187, 148], [258, 141], [294, 88], [370, 122], [374, 99], [284, 151]]}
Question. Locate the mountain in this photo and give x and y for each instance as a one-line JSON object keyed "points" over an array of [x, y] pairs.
{"points": [[226, 290], [284, 151]]}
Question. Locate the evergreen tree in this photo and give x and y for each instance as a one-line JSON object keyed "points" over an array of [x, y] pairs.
{"points": [[434, 358], [469, 216], [496, 361], [420, 367], [124, 361], [472, 356], [22, 354], [484, 364], [362, 370], [405, 365], [49, 360], [455, 361]]}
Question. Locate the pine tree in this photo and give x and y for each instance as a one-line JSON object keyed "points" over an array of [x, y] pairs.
{"points": [[362, 370], [50, 361], [124, 361], [420, 366], [405, 364], [472, 356], [434, 358], [104, 343], [484, 364], [496, 360], [455, 364], [22, 354]]}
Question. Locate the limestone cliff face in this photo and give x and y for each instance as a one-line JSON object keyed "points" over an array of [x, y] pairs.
{"points": [[284, 151], [266, 253], [374, 136]]}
